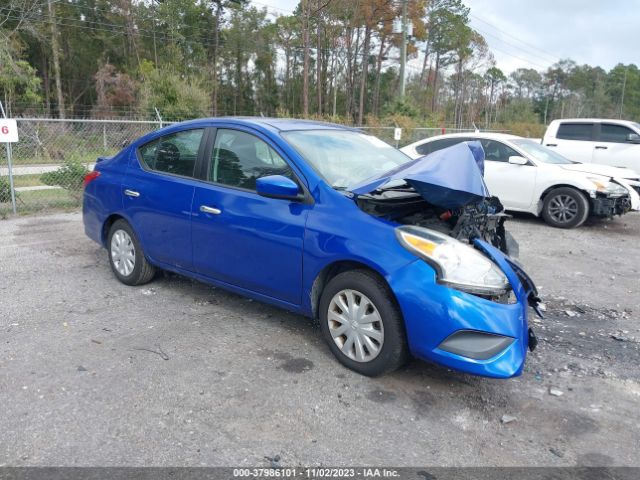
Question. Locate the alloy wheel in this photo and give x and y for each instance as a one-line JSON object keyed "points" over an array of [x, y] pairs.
{"points": [[563, 208]]}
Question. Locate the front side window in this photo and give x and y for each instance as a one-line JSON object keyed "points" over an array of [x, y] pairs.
{"points": [[175, 153], [575, 131], [239, 159], [614, 133], [497, 151]]}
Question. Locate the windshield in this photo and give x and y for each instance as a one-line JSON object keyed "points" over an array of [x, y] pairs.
{"points": [[540, 153], [345, 158]]}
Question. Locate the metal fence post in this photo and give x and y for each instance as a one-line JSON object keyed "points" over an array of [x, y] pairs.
{"points": [[11, 186], [9, 168], [158, 116]]}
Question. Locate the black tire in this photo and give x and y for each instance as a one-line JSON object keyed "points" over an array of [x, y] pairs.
{"points": [[575, 203], [394, 351], [143, 272]]}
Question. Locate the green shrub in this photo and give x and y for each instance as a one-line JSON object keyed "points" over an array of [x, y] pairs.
{"points": [[69, 176], [5, 191]]}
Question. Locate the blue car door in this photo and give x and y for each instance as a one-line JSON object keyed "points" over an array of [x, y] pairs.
{"points": [[240, 237], [158, 191]]}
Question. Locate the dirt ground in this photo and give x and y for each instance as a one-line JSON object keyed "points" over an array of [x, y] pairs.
{"points": [[94, 373]]}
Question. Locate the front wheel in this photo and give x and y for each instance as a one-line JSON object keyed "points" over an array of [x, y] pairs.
{"points": [[565, 207], [126, 257], [362, 324]]}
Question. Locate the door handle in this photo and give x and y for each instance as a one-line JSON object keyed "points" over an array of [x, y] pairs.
{"points": [[552, 145], [211, 210], [131, 193], [601, 147]]}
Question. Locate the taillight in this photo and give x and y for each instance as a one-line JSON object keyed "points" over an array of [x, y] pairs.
{"points": [[90, 177]]}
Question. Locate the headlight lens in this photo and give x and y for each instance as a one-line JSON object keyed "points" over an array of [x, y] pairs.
{"points": [[458, 265], [607, 187]]}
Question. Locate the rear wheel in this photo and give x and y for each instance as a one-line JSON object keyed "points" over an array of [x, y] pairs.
{"points": [[565, 207], [362, 324], [126, 256]]}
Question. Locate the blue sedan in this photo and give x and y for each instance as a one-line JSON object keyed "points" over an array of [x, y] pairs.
{"points": [[328, 222]]}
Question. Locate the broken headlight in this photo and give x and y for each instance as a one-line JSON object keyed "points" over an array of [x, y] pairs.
{"points": [[458, 265], [608, 188]]}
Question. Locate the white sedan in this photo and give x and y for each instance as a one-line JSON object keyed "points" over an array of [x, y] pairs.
{"points": [[528, 177]]}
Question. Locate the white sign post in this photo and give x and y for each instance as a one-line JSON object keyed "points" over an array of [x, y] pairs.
{"points": [[9, 135], [8, 130], [397, 135]]}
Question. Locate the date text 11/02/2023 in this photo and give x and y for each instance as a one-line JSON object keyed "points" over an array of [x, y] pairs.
{"points": [[319, 472]]}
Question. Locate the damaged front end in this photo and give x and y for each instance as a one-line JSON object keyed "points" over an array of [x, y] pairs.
{"points": [[464, 300], [608, 206], [483, 219], [444, 192], [436, 199]]}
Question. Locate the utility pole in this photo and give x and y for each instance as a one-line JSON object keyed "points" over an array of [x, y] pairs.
{"points": [[624, 86], [403, 49], [216, 41], [155, 48], [56, 58]]}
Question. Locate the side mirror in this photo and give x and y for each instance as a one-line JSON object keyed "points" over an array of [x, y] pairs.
{"points": [[633, 138], [518, 160], [278, 186]]}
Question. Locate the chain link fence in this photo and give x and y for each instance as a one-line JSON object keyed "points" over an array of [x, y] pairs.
{"points": [[49, 162], [409, 135], [52, 157]]}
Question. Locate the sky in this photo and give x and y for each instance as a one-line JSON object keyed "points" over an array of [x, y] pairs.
{"points": [[537, 33]]}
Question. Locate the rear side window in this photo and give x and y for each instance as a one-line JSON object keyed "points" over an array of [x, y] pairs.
{"points": [[430, 147], [239, 159], [614, 133], [575, 131], [175, 153], [497, 151]]}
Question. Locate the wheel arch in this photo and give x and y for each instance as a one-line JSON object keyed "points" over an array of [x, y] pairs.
{"points": [[548, 190], [335, 268], [110, 220]]}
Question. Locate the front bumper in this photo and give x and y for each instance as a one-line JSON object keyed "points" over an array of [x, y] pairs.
{"points": [[603, 206], [434, 314]]}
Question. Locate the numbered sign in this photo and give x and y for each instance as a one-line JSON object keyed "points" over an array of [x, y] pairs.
{"points": [[8, 131], [397, 134]]}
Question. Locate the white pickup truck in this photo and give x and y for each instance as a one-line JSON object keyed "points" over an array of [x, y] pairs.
{"points": [[589, 140]]}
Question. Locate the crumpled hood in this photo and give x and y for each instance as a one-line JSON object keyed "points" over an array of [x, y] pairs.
{"points": [[448, 178], [598, 169]]}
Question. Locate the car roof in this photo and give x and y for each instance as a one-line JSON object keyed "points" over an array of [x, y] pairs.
{"points": [[273, 124], [594, 120], [488, 135]]}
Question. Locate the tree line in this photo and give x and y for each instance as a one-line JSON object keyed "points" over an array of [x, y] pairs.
{"points": [[336, 59]]}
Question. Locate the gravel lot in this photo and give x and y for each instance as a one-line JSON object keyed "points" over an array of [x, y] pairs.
{"points": [[94, 373]]}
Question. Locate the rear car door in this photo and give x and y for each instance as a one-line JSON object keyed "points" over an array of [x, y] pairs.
{"points": [[513, 184], [157, 194], [613, 148], [574, 140], [240, 237]]}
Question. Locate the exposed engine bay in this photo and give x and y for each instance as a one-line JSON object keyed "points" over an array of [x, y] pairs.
{"points": [[482, 219], [444, 191]]}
